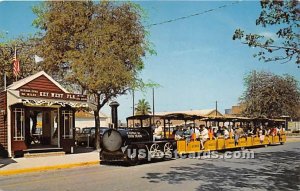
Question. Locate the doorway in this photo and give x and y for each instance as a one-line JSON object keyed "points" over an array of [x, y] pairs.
{"points": [[43, 128]]}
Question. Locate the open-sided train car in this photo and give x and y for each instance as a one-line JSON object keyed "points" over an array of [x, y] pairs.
{"points": [[193, 146]]}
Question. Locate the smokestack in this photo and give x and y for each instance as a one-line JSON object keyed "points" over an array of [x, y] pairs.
{"points": [[114, 113]]}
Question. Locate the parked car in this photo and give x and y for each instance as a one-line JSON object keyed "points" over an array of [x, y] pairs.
{"points": [[87, 136]]}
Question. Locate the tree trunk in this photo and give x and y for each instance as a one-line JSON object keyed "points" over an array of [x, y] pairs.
{"points": [[97, 125]]}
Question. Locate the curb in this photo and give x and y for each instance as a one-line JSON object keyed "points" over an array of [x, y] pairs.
{"points": [[47, 168]]}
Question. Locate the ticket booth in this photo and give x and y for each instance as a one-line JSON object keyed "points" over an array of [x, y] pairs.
{"points": [[55, 107]]}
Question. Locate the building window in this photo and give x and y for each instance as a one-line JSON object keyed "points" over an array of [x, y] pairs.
{"points": [[19, 130], [68, 124]]}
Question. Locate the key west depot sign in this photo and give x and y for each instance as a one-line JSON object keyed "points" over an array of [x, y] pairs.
{"points": [[52, 95]]}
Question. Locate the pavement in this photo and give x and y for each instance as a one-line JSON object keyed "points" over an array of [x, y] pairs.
{"points": [[272, 168], [12, 166]]}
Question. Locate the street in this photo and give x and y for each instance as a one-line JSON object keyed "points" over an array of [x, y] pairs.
{"points": [[273, 168]]}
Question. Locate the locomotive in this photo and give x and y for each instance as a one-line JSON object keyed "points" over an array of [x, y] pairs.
{"points": [[132, 145]]}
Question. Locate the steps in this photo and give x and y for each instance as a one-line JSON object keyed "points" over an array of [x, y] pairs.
{"points": [[43, 152]]}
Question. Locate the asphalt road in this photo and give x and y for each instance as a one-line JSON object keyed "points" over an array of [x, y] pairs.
{"points": [[273, 168]]}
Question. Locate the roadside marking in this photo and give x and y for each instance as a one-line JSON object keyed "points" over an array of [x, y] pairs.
{"points": [[47, 168]]}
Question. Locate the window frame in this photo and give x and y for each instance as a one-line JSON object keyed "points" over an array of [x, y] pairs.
{"points": [[20, 111]]}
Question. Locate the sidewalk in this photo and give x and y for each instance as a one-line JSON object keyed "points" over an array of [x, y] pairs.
{"points": [[291, 139], [10, 166]]}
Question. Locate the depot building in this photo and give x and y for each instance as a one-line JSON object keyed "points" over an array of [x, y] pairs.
{"points": [[41, 94]]}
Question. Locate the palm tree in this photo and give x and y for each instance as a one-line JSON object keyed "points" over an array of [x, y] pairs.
{"points": [[142, 107]]}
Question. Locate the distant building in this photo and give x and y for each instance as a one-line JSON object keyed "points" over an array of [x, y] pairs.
{"points": [[86, 119], [228, 111]]}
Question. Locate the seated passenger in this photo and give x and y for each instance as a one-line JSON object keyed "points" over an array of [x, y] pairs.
{"points": [[197, 133], [179, 134], [219, 132], [261, 135], [204, 135], [226, 133], [238, 133], [211, 133]]}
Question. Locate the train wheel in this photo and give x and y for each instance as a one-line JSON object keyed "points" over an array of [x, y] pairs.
{"points": [[168, 150], [154, 151]]}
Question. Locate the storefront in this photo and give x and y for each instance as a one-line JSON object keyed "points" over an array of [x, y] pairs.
{"points": [[41, 94]]}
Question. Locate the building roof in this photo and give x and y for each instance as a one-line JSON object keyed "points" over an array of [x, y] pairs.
{"points": [[28, 79], [201, 112]]}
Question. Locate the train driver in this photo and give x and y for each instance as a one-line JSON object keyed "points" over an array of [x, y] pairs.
{"points": [[157, 134]]}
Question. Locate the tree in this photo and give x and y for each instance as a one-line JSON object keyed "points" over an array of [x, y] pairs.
{"points": [[269, 95], [143, 107], [284, 16], [97, 46], [25, 55]]}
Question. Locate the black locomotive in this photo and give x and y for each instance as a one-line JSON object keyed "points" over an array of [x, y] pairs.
{"points": [[133, 144]]}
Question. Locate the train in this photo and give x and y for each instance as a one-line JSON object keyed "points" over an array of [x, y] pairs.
{"points": [[132, 145]]}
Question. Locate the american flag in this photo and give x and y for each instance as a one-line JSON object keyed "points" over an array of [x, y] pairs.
{"points": [[16, 67]]}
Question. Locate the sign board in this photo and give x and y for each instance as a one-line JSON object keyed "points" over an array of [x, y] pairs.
{"points": [[52, 95]]}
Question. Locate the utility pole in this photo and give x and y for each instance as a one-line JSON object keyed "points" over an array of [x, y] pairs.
{"points": [[133, 105], [153, 115], [216, 108]]}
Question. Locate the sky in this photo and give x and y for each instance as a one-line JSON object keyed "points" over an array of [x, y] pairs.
{"points": [[197, 62]]}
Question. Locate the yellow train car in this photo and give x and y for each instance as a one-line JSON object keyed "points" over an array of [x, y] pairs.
{"points": [[242, 142], [186, 147], [229, 144]]}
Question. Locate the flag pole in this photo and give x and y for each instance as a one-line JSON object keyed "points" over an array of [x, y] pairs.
{"points": [[16, 60]]}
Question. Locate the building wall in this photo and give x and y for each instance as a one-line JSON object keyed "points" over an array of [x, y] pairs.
{"points": [[3, 123], [294, 126], [237, 110], [42, 83], [90, 122]]}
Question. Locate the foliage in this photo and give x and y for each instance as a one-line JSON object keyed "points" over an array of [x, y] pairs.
{"points": [[283, 16], [269, 95], [98, 46], [25, 54], [142, 107]]}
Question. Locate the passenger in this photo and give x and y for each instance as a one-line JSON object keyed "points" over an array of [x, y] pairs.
{"points": [[219, 132], [274, 131], [238, 133], [277, 131], [261, 135], [215, 132], [231, 133], [211, 133], [226, 133], [179, 134], [193, 134], [187, 134], [197, 133], [250, 131], [157, 133], [204, 135]]}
